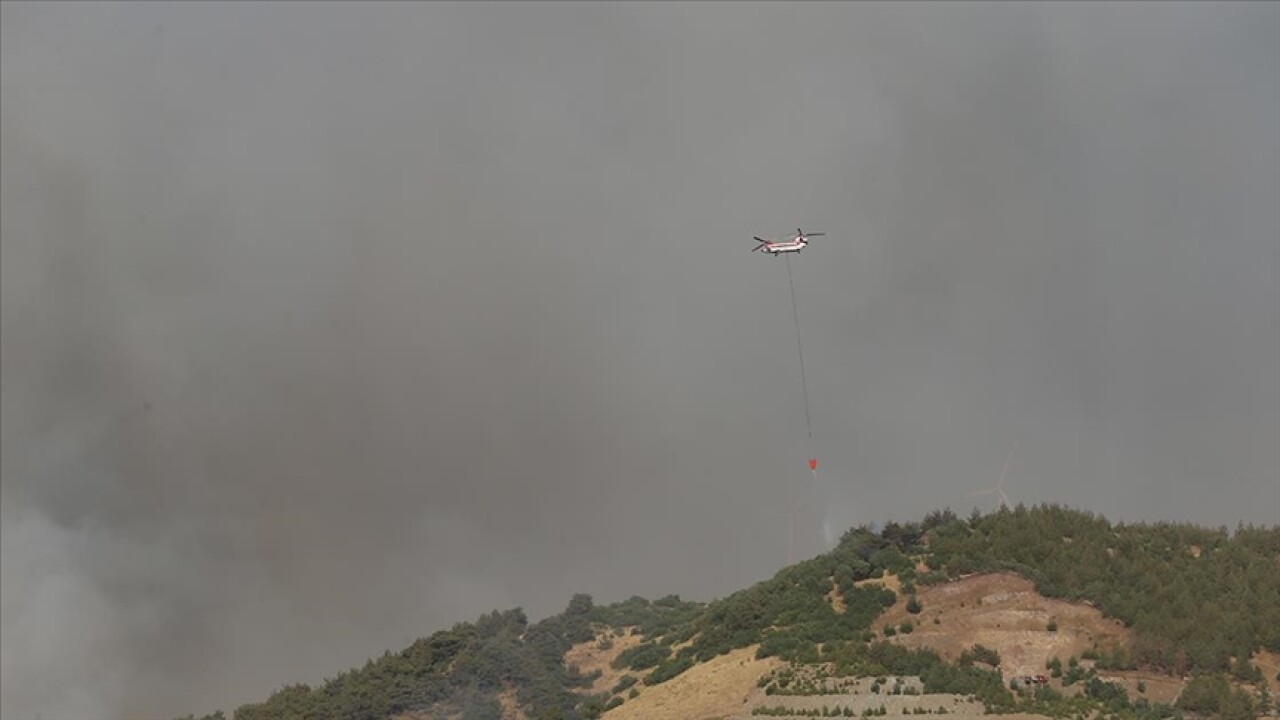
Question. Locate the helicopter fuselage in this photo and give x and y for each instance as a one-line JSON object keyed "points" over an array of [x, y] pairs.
{"points": [[794, 246]]}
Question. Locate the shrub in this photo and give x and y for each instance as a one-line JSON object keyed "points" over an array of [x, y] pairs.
{"points": [[667, 670], [979, 653], [640, 657], [913, 605], [624, 682]]}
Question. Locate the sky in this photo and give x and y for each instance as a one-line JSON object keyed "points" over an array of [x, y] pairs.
{"points": [[328, 326]]}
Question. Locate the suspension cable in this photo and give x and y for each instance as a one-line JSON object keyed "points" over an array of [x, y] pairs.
{"points": [[795, 314]]}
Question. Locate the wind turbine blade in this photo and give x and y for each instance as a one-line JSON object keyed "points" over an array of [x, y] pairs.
{"points": [[1005, 469], [1005, 499]]}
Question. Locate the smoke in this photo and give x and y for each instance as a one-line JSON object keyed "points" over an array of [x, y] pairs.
{"points": [[326, 326]]}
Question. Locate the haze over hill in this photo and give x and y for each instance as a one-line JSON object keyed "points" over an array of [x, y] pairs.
{"points": [[1042, 612], [324, 326]]}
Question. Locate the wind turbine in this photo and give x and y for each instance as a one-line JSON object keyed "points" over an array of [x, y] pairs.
{"points": [[999, 488]]}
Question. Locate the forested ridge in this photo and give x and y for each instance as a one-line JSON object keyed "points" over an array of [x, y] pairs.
{"points": [[1199, 601], [1194, 597]]}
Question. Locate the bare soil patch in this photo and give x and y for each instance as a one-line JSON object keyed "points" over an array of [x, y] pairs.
{"points": [[1269, 664], [1002, 611]]}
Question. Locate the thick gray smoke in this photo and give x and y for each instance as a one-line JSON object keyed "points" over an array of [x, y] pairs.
{"points": [[326, 326]]}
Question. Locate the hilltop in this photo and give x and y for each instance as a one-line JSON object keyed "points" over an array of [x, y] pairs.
{"points": [[940, 616]]}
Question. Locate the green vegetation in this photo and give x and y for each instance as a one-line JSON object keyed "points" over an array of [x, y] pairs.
{"points": [[789, 615], [1212, 695], [979, 653], [668, 669], [463, 669], [651, 619], [1103, 698], [1194, 597], [642, 656], [782, 711], [624, 683], [882, 659]]}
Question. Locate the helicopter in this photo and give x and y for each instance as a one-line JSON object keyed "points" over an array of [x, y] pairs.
{"points": [[794, 243]]}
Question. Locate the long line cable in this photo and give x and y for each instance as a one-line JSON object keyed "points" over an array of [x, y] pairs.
{"points": [[795, 314]]}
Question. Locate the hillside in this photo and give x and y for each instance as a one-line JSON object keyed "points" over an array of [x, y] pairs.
{"points": [[938, 616], [1003, 611]]}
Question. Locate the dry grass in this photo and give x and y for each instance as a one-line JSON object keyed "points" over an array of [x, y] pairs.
{"points": [[510, 708], [589, 657], [1160, 688], [889, 580], [835, 599], [717, 688]]}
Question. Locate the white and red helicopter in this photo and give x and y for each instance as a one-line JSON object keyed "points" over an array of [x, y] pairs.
{"points": [[794, 243]]}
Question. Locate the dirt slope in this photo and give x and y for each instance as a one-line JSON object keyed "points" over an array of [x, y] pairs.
{"points": [[1004, 612]]}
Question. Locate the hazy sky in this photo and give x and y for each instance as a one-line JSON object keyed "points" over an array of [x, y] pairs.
{"points": [[327, 326]]}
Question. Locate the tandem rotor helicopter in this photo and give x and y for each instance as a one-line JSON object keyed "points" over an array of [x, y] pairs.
{"points": [[775, 247], [793, 243]]}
